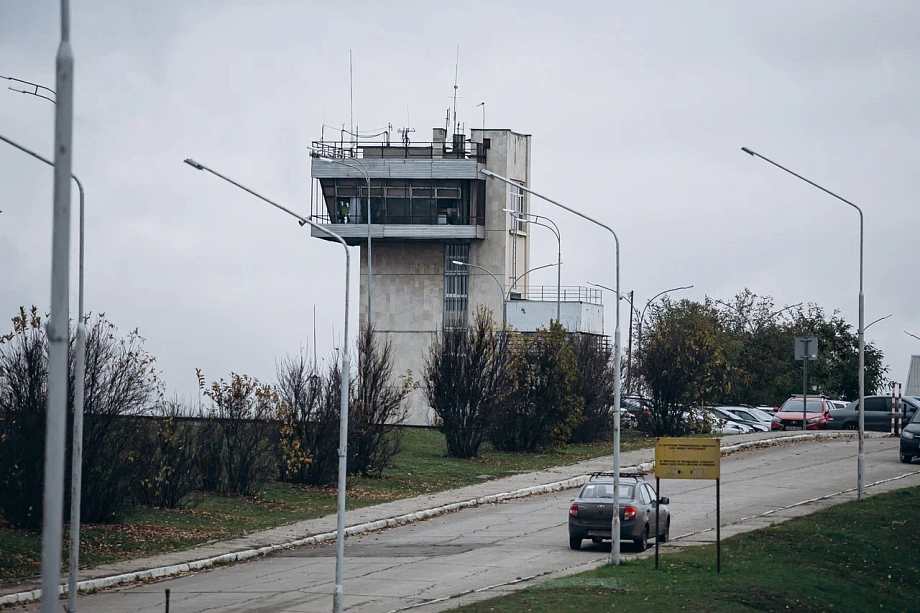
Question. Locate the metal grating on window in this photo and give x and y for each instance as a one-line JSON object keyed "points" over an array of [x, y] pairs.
{"points": [[456, 285]]}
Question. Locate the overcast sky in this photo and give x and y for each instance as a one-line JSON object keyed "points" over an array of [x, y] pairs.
{"points": [[638, 111]]}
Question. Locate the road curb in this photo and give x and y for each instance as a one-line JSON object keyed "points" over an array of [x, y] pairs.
{"points": [[93, 585]]}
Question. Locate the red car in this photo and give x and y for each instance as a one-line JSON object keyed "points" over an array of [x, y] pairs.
{"points": [[789, 416]]}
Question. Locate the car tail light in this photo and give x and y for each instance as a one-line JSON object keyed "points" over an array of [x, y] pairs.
{"points": [[573, 510], [630, 512]]}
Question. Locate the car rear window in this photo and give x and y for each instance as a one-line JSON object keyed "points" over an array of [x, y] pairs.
{"points": [[605, 490], [795, 405]]}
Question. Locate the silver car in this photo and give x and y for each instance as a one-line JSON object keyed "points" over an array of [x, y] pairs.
{"points": [[591, 513]]}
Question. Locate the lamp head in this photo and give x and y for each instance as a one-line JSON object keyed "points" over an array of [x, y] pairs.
{"points": [[455, 262], [748, 151], [194, 164]]}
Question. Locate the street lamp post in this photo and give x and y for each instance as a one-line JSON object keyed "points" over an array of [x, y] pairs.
{"points": [[58, 328], [501, 287], [360, 166], [76, 468], [861, 457], [615, 521], [338, 595], [555, 230], [505, 294], [877, 320]]}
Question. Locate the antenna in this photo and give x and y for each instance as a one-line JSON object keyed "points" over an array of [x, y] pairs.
{"points": [[351, 92], [483, 105], [456, 74]]}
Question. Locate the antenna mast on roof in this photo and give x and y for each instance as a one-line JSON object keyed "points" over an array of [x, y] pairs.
{"points": [[351, 94], [456, 74]]}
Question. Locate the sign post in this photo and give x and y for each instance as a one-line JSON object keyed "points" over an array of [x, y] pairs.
{"points": [[689, 458], [806, 348]]}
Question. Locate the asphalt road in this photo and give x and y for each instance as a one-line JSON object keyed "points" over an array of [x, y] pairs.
{"points": [[417, 567]]}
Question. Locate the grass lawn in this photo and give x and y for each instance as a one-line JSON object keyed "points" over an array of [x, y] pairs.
{"points": [[852, 557], [422, 467]]}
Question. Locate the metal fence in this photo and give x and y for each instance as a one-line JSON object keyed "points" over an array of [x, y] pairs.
{"points": [[571, 293], [465, 150]]}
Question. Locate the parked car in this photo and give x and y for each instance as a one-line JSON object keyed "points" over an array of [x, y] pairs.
{"points": [[751, 415], [910, 439], [839, 404], [722, 414], [877, 417], [708, 421], [789, 415], [591, 513]]}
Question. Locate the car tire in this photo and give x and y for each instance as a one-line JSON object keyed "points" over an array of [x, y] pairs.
{"points": [[642, 542], [906, 459], [850, 425], [574, 543], [666, 535]]}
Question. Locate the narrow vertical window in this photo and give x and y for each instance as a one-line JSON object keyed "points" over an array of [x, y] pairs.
{"points": [[456, 285]]}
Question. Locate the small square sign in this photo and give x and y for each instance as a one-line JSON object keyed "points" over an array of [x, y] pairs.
{"points": [[806, 348]]}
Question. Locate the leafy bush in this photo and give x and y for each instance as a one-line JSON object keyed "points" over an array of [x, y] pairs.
{"points": [[171, 457], [541, 411], [593, 383], [241, 410]]}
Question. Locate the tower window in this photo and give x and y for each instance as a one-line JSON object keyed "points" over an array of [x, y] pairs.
{"points": [[456, 285]]}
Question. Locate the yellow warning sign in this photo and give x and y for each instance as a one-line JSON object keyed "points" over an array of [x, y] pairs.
{"points": [[687, 458]]}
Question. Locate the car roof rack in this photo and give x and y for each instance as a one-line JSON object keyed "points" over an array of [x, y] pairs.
{"points": [[623, 475]]}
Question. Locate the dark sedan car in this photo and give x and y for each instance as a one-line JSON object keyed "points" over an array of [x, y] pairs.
{"points": [[877, 417], [591, 513], [910, 439]]}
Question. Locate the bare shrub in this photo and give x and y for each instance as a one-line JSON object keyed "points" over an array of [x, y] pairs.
{"points": [[466, 379], [378, 407], [23, 402], [593, 383]]}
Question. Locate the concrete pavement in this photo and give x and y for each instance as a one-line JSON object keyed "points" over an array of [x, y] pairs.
{"points": [[366, 519]]}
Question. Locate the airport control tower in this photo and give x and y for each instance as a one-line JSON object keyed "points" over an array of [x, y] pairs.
{"points": [[431, 206]]}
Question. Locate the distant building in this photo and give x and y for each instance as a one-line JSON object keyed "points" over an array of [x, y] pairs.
{"points": [[430, 207], [913, 377]]}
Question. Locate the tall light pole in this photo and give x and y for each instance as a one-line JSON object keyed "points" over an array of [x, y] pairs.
{"points": [[338, 595], [615, 521], [877, 320], [501, 287], [535, 219], [861, 458], [58, 328], [76, 462], [360, 166], [76, 468], [634, 311], [505, 294]]}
